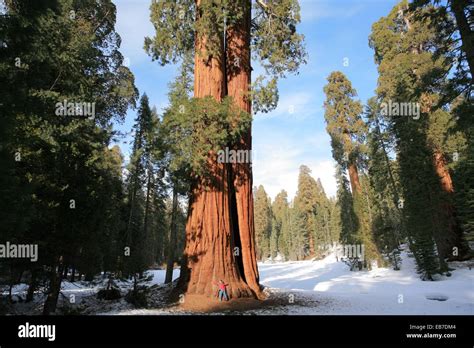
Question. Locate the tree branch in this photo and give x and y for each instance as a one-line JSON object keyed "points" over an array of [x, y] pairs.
{"points": [[266, 8]]}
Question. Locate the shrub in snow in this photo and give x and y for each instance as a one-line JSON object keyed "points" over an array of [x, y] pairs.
{"points": [[109, 294], [137, 297]]}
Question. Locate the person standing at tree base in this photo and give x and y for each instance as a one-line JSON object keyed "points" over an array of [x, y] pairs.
{"points": [[222, 291]]}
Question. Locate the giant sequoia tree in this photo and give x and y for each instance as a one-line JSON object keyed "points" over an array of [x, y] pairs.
{"points": [[459, 28], [455, 20], [410, 72], [347, 131], [220, 242]]}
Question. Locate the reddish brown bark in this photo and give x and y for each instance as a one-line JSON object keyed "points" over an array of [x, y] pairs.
{"points": [[238, 70], [443, 173], [354, 179], [211, 233], [453, 236]]}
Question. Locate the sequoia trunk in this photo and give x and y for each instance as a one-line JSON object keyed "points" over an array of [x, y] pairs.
{"points": [[238, 71], [354, 179], [453, 237], [211, 237]]}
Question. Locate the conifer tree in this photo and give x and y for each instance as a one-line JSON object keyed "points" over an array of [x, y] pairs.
{"points": [[297, 242], [177, 169], [280, 215], [387, 222], [401, 40], [305, 203], [322, 227], [348, 219], [263, 223], [59, 51], [223, 39], [141, 185], [347, 131], [459, 33]]}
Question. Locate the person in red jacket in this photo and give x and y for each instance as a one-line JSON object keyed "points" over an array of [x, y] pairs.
{"points": [[223, 290]]}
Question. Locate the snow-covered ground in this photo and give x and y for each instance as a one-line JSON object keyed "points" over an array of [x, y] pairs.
{"points": [[329, 287], [380, 291], [309, 287]]}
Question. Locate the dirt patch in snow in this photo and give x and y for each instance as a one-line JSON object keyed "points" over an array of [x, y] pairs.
{"points": [[275, 300]]}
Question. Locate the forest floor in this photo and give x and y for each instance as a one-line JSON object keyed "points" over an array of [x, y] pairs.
{"points": [[293, 288]]}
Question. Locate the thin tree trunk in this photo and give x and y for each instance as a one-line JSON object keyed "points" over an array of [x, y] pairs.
{"points": [[12, 283], [311, 243], [33, 285], [172, 239], [128, 237], [395, 192], [467, 35], [53, 293], [147, 207]]}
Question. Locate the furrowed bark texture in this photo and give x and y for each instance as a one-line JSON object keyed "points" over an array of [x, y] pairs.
{"points": [[219, 229], [238, 72], [453, 237]]}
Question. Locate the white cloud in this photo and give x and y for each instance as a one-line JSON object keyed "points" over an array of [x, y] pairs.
{"points": [[325, 170], [279, 171], [276, 169], [278, 156]]}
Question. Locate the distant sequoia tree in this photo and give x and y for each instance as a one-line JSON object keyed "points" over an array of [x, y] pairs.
{"points": [[220, 241]]}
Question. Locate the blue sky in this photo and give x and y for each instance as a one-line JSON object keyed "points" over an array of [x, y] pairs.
{"points": [[336, 34]]}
